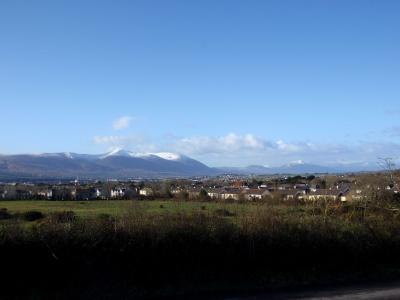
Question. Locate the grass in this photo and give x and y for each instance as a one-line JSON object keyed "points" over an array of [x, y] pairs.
{"points": [[115, 208], [166, 248]]}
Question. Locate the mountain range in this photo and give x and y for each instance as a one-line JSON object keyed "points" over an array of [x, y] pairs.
{"points": [[122, 164], [300, 167]]}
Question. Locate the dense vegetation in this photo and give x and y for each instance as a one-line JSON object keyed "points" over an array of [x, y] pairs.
{"points": [[160, 249]]}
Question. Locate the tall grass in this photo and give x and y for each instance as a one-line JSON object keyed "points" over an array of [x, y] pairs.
{"points": [[139, 254]]}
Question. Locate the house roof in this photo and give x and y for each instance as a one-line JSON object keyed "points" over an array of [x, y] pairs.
{"points": [[215, 190], [325, 192], [231, 191], [256, 191], [290, 192]]}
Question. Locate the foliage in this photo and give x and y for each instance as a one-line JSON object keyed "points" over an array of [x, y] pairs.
{"points": [[188, 247], [62, 217], [4, 214], [32, 215]]}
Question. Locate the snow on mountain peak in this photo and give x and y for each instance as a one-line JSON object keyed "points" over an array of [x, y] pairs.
{"points": [[118, 152], [68, 155], [163, 155], [297, 162], [168, 155]]}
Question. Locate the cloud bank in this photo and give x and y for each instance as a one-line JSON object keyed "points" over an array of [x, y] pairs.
{"points": [[122, 122], [241, 150]]}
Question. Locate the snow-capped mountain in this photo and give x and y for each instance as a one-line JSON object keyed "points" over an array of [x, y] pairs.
{"points": [[126, 153], [163, 155], [118, 163], [122, 164], [118, 152]]}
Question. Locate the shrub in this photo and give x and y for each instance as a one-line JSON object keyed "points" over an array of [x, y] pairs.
{"points": [[203, 196], [105, 217], [221, 212], [4, 214], [63, 217], [170, 254], [32, 215]]}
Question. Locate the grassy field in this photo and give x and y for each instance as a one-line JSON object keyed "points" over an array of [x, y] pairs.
{"points": [[145, 249], [89, 209]]}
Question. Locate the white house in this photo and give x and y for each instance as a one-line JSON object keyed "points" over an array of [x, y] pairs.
{"points": [[256, 194], [48, 194], [214, 193], [117, 193], [146, 192]]}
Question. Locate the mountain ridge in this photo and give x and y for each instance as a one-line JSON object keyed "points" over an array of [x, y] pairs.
{"points": [[122, 164], [115, 164]]}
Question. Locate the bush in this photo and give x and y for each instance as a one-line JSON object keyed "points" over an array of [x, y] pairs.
{"points": [[32, 215], [4, 214], [63, 217], [224, 213], [105, 217], [183, 253]]}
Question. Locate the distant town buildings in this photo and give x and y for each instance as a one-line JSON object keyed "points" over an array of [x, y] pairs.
{"points": [[225, 188]]}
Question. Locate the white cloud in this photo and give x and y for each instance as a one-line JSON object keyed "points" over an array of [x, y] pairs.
{"points": [[224, 144], [108, 139], [122, 123], [134, 143], [290, 148], [241, 150]]}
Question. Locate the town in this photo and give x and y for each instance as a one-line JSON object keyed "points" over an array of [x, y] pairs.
{"points": [[342, 188]]}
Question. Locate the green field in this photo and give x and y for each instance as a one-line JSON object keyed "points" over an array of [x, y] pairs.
{"points": [[89, 209]]}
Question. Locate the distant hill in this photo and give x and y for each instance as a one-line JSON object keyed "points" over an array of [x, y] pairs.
{"points": [[122, 164], [116, 164], [300, 168]]}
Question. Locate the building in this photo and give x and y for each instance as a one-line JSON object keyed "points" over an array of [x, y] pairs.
{"points": [[231, 194], [176, 191], [301, 186], [117, 192], [325, 194], [23, 194], [45, 194], [292, 194], [256, 194], [85, 194], [98, 193], [215, 193], [63, 193], [285, 187], [147, 192]]}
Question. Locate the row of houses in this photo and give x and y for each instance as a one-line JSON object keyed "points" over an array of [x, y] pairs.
{"points": [[238, 194], [328, 194], [300, 192], [191, 191], [70, 193]]}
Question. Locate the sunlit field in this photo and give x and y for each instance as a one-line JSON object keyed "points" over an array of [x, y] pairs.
{"points": [[92, 209]]}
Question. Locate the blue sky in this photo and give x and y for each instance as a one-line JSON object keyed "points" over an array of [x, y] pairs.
{"points": [[227, 82]]}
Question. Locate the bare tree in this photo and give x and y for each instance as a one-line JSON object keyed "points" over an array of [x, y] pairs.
{"points": [[389, 166]]}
